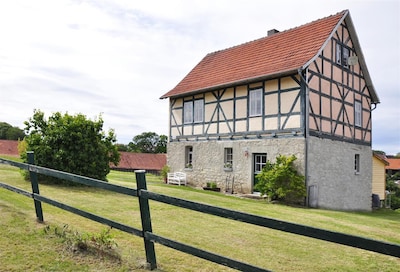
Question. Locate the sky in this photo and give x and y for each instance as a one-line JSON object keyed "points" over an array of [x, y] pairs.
{"points": [[116, 58]]}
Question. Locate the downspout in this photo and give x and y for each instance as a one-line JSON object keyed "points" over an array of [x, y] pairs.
{"points": [[306, 127]]}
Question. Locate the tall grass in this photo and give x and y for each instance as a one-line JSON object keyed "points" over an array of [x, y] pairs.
{"points": [[262, 247]]}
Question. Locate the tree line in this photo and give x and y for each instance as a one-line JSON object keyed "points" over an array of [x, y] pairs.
{"points": [[8, 132]]}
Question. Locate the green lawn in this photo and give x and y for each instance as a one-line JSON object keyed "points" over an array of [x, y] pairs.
{"points": [[25, 247]]}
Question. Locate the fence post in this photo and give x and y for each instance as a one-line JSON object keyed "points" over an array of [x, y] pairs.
{"points": [[146, 219], [35, 188]]}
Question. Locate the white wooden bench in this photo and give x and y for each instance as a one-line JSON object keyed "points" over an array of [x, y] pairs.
{"points": [[176, 178]]}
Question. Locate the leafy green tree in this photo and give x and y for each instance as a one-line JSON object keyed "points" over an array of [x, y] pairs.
{"points": [[394, 190], [122, 147], [148, 142], [72, 144], [281, 181], [162, 144], [8, 132]]}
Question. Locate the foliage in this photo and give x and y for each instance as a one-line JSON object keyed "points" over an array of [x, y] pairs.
{"points": [[280, 180], [122, 147], [212, 185], [8, 132], [394, 190], [148, 142], [101, 243], [164, 171], [380, 152], [72, 144]]}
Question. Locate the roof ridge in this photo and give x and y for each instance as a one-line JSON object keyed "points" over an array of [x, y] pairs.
{"points": [[280, 32], [288, 51]]}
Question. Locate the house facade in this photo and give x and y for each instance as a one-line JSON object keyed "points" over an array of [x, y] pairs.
{"points": [[304, 91]]}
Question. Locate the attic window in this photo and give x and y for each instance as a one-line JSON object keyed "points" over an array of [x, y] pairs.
{"points": [[342, 55]]}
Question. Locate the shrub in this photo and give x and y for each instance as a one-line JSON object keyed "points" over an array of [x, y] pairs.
{"points": [[281, 181], [71, 144]]}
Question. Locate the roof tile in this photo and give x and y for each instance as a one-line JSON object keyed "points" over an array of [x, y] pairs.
{"points": [[276, 54]]}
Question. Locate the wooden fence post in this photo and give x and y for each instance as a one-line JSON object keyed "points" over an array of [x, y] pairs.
{"points": [[146, 219], [35, 188]]}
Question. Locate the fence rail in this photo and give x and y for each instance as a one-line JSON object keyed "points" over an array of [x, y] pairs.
{"points": [[150, 238]]}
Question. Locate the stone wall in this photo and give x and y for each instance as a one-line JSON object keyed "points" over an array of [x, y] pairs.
{"points": [[208, 159], [331, 172]]}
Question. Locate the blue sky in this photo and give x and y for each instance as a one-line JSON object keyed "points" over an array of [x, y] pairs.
{"points": [[116, 58]]}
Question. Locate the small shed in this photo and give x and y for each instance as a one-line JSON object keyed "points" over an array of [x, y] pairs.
{"points": [[379, 163]]}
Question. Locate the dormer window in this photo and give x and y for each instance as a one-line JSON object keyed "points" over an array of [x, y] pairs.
{"points": [[342, 55]]}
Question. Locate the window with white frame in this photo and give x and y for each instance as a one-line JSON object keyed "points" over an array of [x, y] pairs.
{"points": [[198, 110], [357, 163], [228, 157], [193, 111], [188, 112], [357, 114], [260, 160], [338, 53], [255, 102], [188, 156]]}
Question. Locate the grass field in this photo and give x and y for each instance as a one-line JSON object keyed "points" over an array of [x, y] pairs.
{"points": [[24, 245]]}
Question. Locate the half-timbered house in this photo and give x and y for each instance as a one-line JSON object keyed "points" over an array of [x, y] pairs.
{"points": [[304, 91]]}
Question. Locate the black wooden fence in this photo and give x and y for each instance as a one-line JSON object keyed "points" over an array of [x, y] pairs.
{"points": [[150, 238]]}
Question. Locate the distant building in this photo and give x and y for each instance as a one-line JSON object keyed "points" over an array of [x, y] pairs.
{"points": [[152, 163], [394, 165], [9, 148]]}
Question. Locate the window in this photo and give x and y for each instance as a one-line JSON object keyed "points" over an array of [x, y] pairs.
{"points": [[188, 112], [357, 163], [338, 54], [357, 114], [255, 102], [260, 160], [342, 55], [228, 157], [198, 110], [345, 57], [193, 111], [188, 157]]}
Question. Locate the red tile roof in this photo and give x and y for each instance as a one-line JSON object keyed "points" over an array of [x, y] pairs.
{"points": [[141, 161], [281, 53], [394, 163], [9, 147]]}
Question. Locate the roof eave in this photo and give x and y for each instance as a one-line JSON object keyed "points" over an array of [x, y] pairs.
{"points": [[361, 59], [233, 83]]}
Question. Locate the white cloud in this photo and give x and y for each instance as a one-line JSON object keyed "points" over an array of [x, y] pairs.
{"points": [[118, 57]]}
